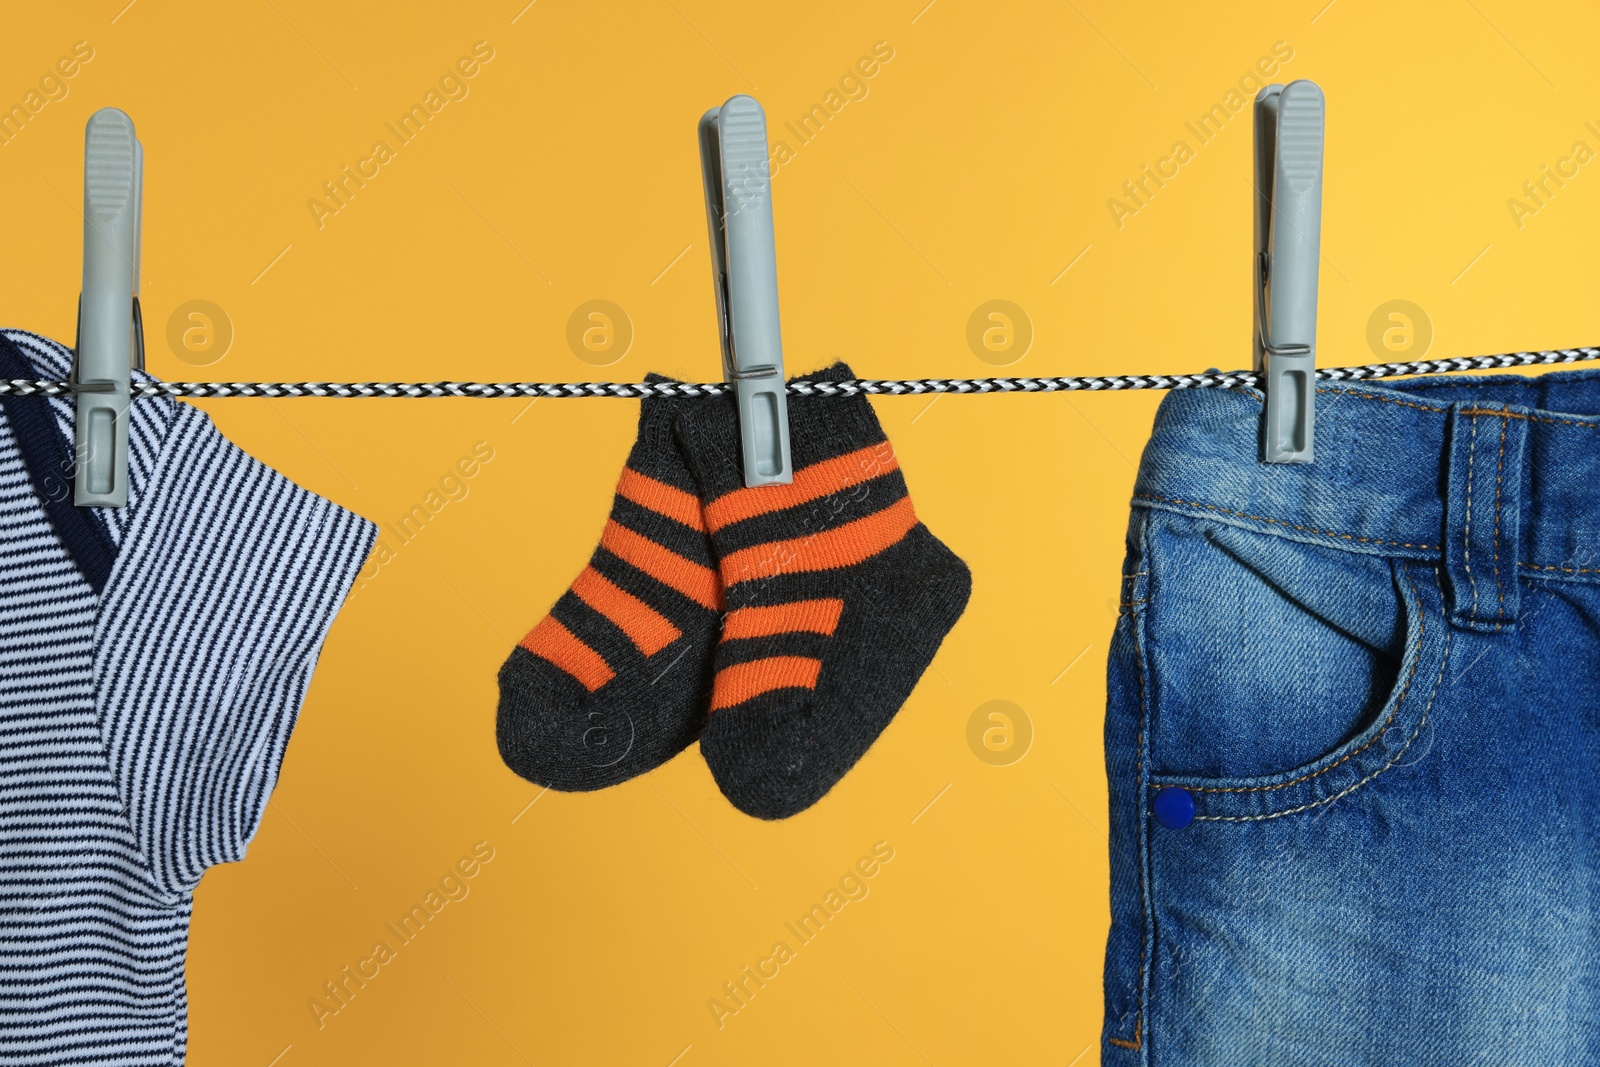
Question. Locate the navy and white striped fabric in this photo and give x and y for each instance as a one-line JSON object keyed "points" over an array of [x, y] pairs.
{"points": [[152, 662]]}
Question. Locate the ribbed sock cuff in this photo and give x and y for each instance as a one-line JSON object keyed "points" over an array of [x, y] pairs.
{"points": [[820, 428]]}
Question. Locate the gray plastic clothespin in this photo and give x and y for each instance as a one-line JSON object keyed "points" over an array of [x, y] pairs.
{"points": [[1290, 122], [110, 336], [744, 265]]}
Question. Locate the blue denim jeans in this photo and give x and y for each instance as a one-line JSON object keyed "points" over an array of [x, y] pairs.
{"points": [[1353, 734]]}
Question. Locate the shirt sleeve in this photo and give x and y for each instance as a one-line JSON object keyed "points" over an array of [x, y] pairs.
{"points": [[225, 584]]}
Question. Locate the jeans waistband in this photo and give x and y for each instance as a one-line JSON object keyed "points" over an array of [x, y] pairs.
{"points": [[1495, 477]]}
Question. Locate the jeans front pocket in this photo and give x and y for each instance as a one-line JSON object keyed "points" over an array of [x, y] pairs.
{"points": [[1282, 675]]}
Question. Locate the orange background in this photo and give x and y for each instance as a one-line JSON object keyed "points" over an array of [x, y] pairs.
{"points": [[979, 164]]}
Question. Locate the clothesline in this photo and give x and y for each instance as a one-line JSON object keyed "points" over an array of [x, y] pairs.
{"points": [[1211, 379]]}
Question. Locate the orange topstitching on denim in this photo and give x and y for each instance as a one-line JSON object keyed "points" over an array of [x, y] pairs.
{"points": [[1530, 418], [1567, 570], [1497, 412], [1144, 914]]}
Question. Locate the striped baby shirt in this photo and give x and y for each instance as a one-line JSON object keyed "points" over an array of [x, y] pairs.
{"points": [[152, 662]]}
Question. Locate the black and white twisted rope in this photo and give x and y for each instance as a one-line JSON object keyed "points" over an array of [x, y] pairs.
{"points": [[877, 386]]}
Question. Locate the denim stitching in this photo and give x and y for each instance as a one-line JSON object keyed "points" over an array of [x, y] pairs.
{"points": [[1530, 418], [1144, 894], [1281, 522], [1130, 599], [1568, 570], [1384, 399], [1444, 658], [1138, 1024], [1422, 633], [1499, 477], [1406, 544], [1464, 411], [1466, 541], [1343, 792]]}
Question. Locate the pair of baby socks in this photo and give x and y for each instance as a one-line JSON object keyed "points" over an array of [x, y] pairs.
{"points": [[783, 626]]}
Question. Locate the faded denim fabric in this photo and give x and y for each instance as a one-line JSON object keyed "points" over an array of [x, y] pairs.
{"points": [[1377, 677]]}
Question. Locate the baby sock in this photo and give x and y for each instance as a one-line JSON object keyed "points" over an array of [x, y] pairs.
{"points": [[615, 680], [837, 599]]}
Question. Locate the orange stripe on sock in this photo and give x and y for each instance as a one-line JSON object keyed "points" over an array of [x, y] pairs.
{"points": [[802, 616], [648, 629], [742, 681], [840, 547], [810, 483], [554, 642], [661, 498], [695, 581]]}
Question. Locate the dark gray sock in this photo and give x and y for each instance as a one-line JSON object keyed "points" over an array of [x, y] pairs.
{"points": [[837, 598], [615, 680]]}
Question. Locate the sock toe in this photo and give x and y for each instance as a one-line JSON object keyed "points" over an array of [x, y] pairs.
{"points": [[554, 733], [771, 762]]}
